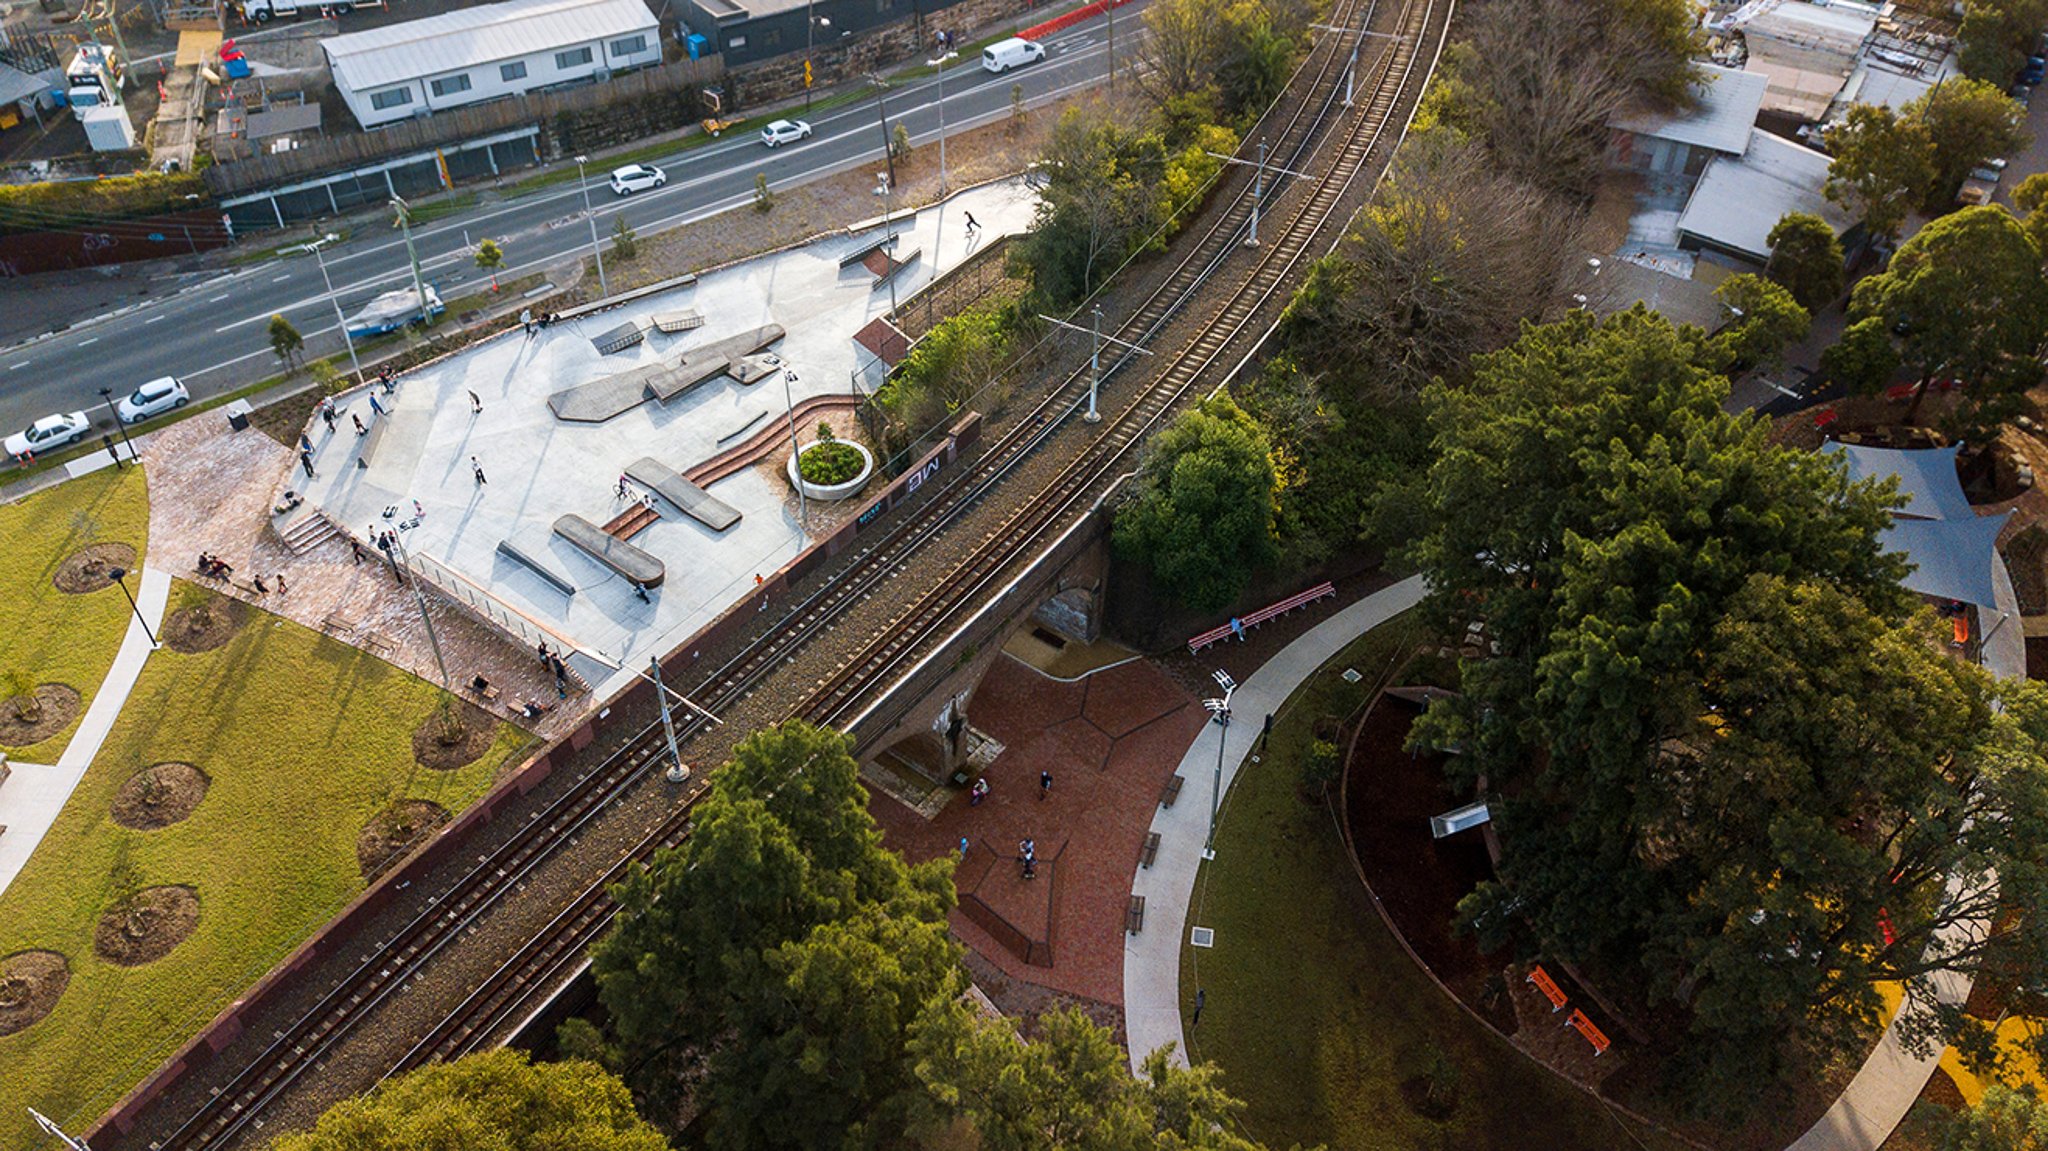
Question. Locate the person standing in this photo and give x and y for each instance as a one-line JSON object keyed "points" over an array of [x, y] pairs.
{"points": [[306, 462], [526, 321], [374, 405], [1044, 784], [477, 470], [327, 413]]}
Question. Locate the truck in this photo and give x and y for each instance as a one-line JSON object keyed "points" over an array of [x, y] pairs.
{"points": [[264, 11]]}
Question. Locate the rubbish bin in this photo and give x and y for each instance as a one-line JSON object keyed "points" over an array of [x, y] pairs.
{"points": [[238, 415]]}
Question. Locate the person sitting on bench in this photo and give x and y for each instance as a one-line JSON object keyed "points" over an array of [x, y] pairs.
{"points": [[480, 685], [532, 710]]}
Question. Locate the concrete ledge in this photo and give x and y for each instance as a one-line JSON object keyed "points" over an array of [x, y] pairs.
{"points": [[518, 555], [614, 553]]}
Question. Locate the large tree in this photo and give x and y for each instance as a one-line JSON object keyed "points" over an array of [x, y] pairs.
{"points": [[1997, 35], [1201, 513], [1883, 166], [1971, 123], [1806, 257], [498, 1101], [2005, 1119], [1766, 321]]}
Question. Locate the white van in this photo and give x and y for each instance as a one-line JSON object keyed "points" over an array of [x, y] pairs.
{"points": [[1011, 53]]}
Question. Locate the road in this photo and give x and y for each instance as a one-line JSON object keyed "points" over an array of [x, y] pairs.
{"points": [[212, 335]]}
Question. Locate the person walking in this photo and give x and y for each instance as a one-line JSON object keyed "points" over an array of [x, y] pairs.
{"points": [[640, 589], [477, 470], [261, 587], [476, 404], [327, 413], [282, 587], [374, 405], [355, 551], [963, 847], [360, 429], [1044, 784], [306, 462], [526, 321]]}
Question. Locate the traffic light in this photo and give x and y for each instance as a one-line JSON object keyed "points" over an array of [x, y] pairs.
{"points": [[807, 73]]}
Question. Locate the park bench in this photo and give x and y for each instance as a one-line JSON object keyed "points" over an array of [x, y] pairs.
{"points": [[338, 622], [1171, 791], [488, 691], [377, 643], [1150, 851], [1134, 919], [1238, 627]]}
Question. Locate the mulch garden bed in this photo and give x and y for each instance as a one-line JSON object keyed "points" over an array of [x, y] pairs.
{"points": [[56, 705], [438, 744], [1024, 1002], [30, 984], [145, 926], [160, 796], [205, 625], [393, 832], [85, 570]]}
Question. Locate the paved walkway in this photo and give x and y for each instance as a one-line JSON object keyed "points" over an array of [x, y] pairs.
{"points": [[35, 793], [1152, 957]]}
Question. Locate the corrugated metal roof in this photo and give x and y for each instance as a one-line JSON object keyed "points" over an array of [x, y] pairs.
{"points": [[1927, 477], [1739, 199], [486, 33], [1726, 102]]}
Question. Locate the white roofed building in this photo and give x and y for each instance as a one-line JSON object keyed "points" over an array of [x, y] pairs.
{"points": [[1740, 198], [488, 52], [1725, 102]]}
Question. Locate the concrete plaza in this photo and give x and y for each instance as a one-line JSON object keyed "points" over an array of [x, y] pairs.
{"points": [[417, 464]]}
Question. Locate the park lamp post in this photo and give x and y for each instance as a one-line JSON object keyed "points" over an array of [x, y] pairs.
{"points": [[812, 22], [885, 187], [940, 65], [314, 247], [120, 576], [107, 394], [1219, 710], [583, 182]]}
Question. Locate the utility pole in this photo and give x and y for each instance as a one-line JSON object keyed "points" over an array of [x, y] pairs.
{"points": [[1109, 9], [412, 255], [677, 770], [584, 183], [1096, 337], [314, 248], [1351, 69], [1259, 184]]}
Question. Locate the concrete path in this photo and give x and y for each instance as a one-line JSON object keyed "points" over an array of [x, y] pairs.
{"points": [[1152, 957], [34, 793]]}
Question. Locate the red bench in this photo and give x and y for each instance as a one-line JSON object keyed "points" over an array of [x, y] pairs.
{"points": [[1239, 626]]}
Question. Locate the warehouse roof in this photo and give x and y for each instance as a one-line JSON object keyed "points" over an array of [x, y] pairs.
{"points": [[1739, 199], [1725, 103], [467, 37]]}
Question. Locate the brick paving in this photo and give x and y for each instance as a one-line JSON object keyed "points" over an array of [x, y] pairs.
{"points": [[212, 489], [1110, 740]]}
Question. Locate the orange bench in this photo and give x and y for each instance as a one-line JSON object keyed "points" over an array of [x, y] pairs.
{"points": [[1548, 987], [1238, 627]]}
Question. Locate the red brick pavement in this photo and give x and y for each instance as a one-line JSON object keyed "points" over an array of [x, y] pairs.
{"points": [[1110, 740]]}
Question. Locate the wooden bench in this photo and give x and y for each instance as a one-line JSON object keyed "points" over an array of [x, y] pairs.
{"points": [[489, 690], [1150, 851], [339, 623], [377, 643], [1134, 919], [1171, 791]]}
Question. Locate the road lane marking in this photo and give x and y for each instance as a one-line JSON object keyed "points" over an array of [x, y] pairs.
{"points": [[218, 299], [280, 279], [83, 343], [19, 366], [152, 319]]}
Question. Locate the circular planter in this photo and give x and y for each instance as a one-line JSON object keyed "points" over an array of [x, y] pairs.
{"points": [[846, 490]]}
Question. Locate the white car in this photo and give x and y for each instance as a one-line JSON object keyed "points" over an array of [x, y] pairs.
{"points": [[153, 398], [783, 132], [636, 178], [46, 433]]}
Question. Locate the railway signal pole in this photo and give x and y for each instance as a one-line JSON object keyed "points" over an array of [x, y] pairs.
{"points": [[1351, 69], [678, 771], [1258, 184], [1094, 330]]}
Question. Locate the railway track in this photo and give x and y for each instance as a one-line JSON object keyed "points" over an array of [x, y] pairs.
{"points": [[545, 959]]}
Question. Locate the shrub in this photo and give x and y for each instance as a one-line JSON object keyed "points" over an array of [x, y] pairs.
{"points": [[829, 462]]}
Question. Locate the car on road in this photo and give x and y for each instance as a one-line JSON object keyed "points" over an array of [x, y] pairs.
{"points": [[1012, 53], [637, 178], [153, 398], [46, 433], [2036, 68], [783, 132]]}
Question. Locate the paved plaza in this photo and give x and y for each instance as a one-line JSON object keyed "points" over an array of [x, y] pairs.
{"points": [[425, 442]]}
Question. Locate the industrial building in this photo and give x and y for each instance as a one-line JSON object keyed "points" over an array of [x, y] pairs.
{"points": [[746, 31], [488, 52]]}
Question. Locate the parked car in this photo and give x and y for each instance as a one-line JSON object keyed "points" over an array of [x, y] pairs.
{"points": [[637, 178], [153, 398], [46, 433], [1011, 53], [2037, 67], [783, 132]]}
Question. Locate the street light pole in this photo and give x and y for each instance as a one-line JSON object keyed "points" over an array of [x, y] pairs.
{"points": [[803, 507], [412, 255], [888, 191], [1220, 710], [398, 555], [882, 109], [120, 576], [940, 64], [314, 247], [107, 394], [583, 182]]}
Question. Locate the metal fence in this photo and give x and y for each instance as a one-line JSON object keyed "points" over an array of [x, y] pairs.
{"points": [[497, 612]]}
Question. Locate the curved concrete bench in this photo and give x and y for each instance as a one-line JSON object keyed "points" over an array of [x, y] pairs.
{"points": [[612, 552]]}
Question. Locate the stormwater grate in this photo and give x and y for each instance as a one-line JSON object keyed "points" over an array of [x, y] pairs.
{"points": [[1202, 937]]}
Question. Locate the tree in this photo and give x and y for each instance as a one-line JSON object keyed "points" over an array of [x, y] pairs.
{"points": [[1071, 1086], [20, 689], [1095, 207], [1864, 359], [1767, 320], [899, 140], [764, 200], [497, 1101], [2003, 1120], [1970, 122], [1806, 258], [1968, 293], [1201, 516], [945, 371], [285, 340], [1179, 53], [1883, 165], [1997, 35], [625, 244], [490, 257]]}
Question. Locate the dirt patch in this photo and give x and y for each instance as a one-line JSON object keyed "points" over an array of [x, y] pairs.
{"points": [[55, 706], [205, 625], [394, 831], [145, 926], [159, 796], [454, 737], [85, 570], [30, 983]]}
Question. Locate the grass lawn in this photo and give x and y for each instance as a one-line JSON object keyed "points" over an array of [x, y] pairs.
{"points": [[52, 636], [305, 739], [1315, 1013]]}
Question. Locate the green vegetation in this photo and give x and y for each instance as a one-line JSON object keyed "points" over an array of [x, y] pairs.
{"points": [[490, 257], [625, 243], [53, 636], [1766, 321], [1807, 259], [946, 371], [1314, 1013], [442, 206], [2004, 1120], [285, 340], [496, 1101], [1219, 63], [304, 739], [829, 462], [1998, 35], [54, 204], [1887, 163], [1200, 513]]}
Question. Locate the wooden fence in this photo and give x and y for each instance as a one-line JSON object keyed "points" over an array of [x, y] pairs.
{"points": [[357, 149]]}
